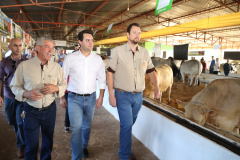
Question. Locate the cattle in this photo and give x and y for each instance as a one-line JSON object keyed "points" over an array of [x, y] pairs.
{"points": [[218, 104], [170, 61], [165, 80], [192, 68]]}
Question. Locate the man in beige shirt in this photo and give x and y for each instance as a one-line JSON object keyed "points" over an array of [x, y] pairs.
{"points": [[127, 67], [38, 82]]}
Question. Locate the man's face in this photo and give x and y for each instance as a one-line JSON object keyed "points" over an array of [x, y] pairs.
{"points": [[217, 59], [61, 51], [45, 51], [76, 48], [16, 47], [87, 43], [212, 57], [135, 35], [29, 51]]}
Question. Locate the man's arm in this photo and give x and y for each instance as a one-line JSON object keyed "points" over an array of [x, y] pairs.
{"points": [[154, 80], [100, 98], [112, 99], [102, 84], [1, 100]]}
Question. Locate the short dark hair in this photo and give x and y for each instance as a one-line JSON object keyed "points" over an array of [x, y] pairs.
{"points": [[130, 26], [76, 45], [80, 34]]}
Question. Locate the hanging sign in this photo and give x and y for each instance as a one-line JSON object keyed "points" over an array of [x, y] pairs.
{"points": [[162, 6], [109, 28]]}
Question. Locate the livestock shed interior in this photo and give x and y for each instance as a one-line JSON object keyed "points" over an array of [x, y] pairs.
{"points": [[205, 27]]}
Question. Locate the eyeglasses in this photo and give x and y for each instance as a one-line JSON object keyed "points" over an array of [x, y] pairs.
{"points": [[14, 65]]}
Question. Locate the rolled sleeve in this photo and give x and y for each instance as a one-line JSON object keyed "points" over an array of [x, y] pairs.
{"points": [[16, 84], [113, 60]]}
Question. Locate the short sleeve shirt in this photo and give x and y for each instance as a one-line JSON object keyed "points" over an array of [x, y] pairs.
{"points": [[129, 69]]}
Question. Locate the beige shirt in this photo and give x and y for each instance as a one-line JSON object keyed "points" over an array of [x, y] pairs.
{"points": [[129, 70], [29, 75]]}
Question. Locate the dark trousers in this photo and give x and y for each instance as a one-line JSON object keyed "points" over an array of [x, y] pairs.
{"points": [[13, 110], [33, 121], [211, 70], [67, 122], [215, 72], [226, 73]]}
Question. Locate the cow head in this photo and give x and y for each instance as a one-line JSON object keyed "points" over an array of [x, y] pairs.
{"points": [[196, 111]]}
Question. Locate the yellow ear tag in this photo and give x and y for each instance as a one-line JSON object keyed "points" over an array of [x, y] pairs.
{"points": [[180, 106]]}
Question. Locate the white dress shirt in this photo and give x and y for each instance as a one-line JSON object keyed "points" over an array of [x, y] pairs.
{"points": [[83, 72], [29, 75]]}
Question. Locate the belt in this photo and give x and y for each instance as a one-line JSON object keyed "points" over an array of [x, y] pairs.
{"points": [[41, 109], [125, 91], [83, 95]]}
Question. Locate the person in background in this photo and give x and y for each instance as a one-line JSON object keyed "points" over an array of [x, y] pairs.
{"points": [[212, 65], [84, 68], [227, 67], [126, 74], [61, 57], [37, 82], [29, 51], [204, 65], [216, 67], [76, 48], [13, 108], [33, 54]]}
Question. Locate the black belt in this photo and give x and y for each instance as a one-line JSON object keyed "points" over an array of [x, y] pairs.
{"points": [[83, 95], [41, 109]]}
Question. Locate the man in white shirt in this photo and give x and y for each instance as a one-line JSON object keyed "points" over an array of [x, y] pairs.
{"points": [[216, 66], [83, 68], [38, 82]]}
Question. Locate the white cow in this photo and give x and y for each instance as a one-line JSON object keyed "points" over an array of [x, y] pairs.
{"points": [[165, 81], [192, 68], [218, 103]]}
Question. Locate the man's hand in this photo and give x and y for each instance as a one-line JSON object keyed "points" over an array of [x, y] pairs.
{"points": [[156, 93], [99, 102], [48, 89], [112, 100], [1, 102], [32, 94], [63, 102]]}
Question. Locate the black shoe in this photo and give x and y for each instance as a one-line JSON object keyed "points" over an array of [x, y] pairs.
{"points": [[132, 157], [85, 153], [66, 129]]}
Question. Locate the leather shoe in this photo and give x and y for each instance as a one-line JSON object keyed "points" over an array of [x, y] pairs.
{"points": [[20, 153], [132, 157], [85, 153]]}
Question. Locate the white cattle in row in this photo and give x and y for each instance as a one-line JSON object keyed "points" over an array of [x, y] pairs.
{"points": [[192, 68], [217, 104], [165, 80]]}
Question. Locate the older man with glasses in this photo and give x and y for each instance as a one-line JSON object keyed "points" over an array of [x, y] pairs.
{"points": [[13, 108]]}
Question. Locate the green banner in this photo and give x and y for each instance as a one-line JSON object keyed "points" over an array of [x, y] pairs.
{"points": [[162, 6], [109, 28]]}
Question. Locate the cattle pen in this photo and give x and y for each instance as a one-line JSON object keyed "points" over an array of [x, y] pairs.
{"points": [[169, 135]]}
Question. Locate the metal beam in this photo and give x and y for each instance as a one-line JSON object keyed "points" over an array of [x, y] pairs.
{"points": [[48, 3], [26, 16], [99, 7], [59, 17], [223, 4]]}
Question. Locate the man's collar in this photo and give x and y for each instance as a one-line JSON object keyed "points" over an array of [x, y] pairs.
{"points": [[79, 51], [16, 59], [39, 62], [128, 48]]}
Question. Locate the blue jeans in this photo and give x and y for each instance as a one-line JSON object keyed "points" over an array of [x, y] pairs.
{"points": [[128, 105], [211, 70], [81, 111], [32, 122], [67, 122], [13, 110]]}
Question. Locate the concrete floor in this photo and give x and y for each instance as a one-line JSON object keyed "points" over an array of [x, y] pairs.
{"points": [[103, 144]]}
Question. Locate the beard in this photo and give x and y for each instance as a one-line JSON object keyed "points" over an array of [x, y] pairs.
{"points": [[134, 41]]}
